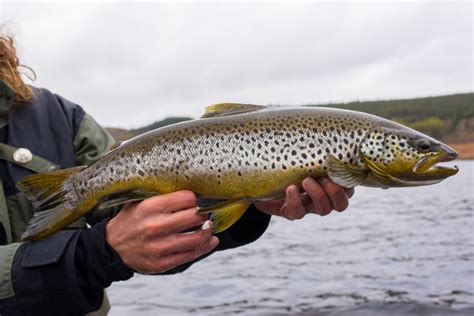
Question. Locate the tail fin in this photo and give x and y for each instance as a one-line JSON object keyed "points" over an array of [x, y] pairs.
{"points": [[47, 193]]}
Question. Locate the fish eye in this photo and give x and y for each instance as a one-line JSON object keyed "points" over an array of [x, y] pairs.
{"points": [[423, 145]]}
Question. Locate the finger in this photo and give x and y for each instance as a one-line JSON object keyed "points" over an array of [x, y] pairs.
{"points": [[349, 192], [336, 194], [168, 262], [270, 206], [294, 207], [173, 223], [306, 201], [169, 203], [316, 192], [180, 242]]}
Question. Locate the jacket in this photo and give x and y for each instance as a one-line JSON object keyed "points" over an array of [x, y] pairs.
{"points": [[65, 273]]}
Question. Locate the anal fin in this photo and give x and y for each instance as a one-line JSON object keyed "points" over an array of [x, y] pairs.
{"points": [[225, 214]]}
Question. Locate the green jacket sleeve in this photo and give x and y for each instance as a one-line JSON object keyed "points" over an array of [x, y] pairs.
{"points": [[7, 253], [91, 142]]}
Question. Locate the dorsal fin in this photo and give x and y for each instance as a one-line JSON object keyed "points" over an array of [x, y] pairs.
{"points": [[224, 109]]}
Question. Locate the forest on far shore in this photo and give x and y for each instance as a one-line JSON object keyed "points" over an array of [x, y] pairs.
{"points": [[449, 118]]}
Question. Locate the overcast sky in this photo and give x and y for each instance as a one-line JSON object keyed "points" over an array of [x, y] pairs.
{"points": [[130, 64]]}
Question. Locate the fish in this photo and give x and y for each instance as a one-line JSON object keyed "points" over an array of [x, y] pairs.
{"points": [[238, 154]]}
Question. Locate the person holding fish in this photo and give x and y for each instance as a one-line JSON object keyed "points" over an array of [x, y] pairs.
{"points": [[48, 270]]}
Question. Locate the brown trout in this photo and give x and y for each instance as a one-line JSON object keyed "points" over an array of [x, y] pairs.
{"points": [[238, 154]]}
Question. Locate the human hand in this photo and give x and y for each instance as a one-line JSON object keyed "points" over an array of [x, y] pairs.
{"points": [[321, 197], [149, 238]]}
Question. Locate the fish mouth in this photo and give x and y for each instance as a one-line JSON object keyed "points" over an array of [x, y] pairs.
{"points": [[428, 165]]}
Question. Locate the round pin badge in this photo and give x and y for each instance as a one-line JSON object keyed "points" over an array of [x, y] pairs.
{"points": [[22, 155]]}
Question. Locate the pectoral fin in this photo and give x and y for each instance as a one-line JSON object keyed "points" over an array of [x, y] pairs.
{"points": [[347, 176], [225, 214]]}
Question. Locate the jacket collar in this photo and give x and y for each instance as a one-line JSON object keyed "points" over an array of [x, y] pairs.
{"points": [[7, 97]]}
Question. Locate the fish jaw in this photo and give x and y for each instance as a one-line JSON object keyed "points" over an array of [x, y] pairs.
{"points": [[427, 166]]}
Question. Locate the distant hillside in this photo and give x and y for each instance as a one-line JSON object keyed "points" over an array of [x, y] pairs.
{"points": [[449, 118], [455, 106]]}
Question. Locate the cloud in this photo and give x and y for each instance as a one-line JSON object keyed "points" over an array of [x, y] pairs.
{"points": [[130, 63]]}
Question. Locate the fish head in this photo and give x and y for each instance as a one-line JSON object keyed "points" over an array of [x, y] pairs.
{"points": [[396, 155]]}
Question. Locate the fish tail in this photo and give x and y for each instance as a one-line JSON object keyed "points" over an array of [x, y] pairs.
{"points": [[48, 193], [224, 215]]}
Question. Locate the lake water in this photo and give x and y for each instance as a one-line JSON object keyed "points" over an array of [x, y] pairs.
{"points": [[403, 251]]}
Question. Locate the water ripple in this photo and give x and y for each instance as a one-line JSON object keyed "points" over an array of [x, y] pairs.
{"points": [[394, 252]]}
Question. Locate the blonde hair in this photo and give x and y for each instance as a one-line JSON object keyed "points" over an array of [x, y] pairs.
{"points": [[10, 70]]}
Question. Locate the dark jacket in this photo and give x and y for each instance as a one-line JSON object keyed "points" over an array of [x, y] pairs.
{"points": [[67, 272]]}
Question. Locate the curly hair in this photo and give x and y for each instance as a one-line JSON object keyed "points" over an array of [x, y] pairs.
{"points": [[10, 70]]}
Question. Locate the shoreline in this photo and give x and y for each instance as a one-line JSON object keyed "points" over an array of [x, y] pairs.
{"points": [[465, 150]]}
